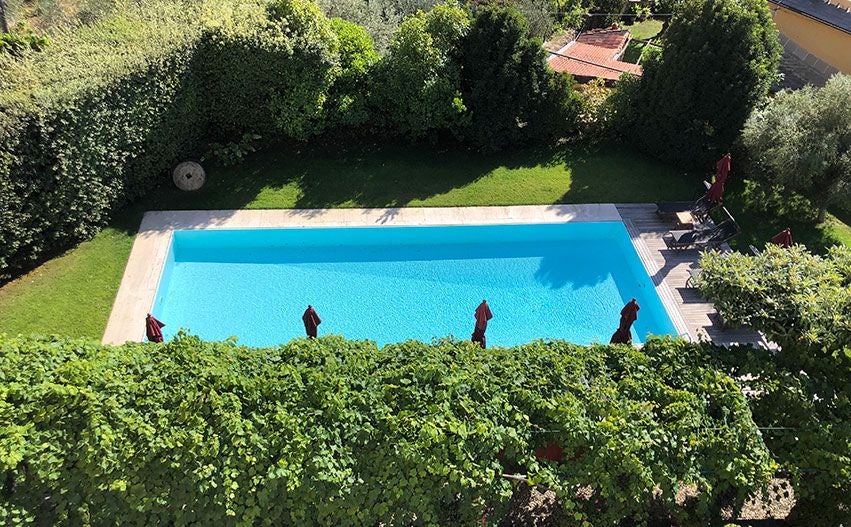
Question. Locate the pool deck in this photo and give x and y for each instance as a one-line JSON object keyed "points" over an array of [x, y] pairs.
{"points": [[670, 269], [692, 316]]}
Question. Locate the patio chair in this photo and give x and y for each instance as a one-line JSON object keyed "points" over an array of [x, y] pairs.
{"points": [[699, 209], [693, 274], [702, 238]]}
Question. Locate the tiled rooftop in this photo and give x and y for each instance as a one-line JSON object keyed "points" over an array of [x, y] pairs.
{"points": [[586, 60], [605, 38]]}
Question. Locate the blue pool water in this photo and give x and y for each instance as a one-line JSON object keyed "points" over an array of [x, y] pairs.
{"points": [[389, 284]]}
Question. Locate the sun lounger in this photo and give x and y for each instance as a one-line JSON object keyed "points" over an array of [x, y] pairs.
{"points": [[701, 238], [699, 208]]}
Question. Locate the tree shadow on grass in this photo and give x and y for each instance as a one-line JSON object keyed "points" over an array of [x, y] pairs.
{"points": [[610, 173], [323, 175], [762, 212], [399, 175]]}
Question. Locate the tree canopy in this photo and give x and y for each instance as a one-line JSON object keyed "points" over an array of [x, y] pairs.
{"points": [[719, 59], [511, 92], [418, 84], [802, 139]]}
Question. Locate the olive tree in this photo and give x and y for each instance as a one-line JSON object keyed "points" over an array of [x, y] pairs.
{"points": [[803, 141]]}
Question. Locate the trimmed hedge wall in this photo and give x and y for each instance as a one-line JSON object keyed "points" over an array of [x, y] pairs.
{"points": [[85, 125], [336, 432], [90, 123]]}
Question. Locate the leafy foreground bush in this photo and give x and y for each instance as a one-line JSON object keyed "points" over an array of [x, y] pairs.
{"points": [[803, 392], [798, 299], [807, 415], [334, 432]]}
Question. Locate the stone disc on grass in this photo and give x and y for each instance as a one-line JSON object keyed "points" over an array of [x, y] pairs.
{"points": [[189, 175]]}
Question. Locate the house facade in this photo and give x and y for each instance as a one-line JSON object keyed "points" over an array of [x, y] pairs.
{"points": [[816, 38]]}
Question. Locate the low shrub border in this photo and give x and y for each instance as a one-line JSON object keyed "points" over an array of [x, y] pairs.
{"points": [[333, 432]]}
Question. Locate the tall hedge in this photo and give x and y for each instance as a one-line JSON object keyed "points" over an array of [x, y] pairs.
{"points": [[94, 120], [335, 432], [86, 124]]}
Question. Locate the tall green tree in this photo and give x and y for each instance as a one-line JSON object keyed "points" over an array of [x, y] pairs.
{"points": [[719, 60], [348, 97], [512, 94], [803, 141], [418, 84]]}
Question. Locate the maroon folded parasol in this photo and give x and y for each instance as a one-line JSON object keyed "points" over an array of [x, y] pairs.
{"points": [[722, 169], [152, 329], [629, 314], [783, 238], [483, 314], [311, 321]]}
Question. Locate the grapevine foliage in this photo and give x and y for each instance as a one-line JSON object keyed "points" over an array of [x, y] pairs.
{"points": [[336, 432]]}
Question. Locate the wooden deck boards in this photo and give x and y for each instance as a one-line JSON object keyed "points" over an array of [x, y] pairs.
{"points": [[671, 269]]}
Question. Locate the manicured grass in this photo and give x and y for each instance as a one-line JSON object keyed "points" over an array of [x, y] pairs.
{"points": [[645, 30], [762, 216], [73, 294]]}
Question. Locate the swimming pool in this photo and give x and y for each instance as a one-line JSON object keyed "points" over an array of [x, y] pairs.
{"points": [[389, 284]]}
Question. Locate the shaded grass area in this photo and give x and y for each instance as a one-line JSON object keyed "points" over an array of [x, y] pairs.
{"points": [[73, 294], [761, 215]]}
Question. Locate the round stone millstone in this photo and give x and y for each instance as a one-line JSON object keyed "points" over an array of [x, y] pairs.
{"points": [[189, 175]]}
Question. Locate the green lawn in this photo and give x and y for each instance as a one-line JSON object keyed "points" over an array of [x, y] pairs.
{"points": [[73, 294], [645, 30]]}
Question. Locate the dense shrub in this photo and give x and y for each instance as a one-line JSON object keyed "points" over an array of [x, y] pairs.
{"points": [[806, 409], [803, 302], [511, 93], [268, 68], [332, 432], [800, 300], [380, 18], [802, 141], [719, 60], [419, 81]]}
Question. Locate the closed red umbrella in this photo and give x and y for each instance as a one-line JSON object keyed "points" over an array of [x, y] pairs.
{"points": [[311, 321], [722, 169], [483, 314], [152, 329], [783, 238], [629, 314]]}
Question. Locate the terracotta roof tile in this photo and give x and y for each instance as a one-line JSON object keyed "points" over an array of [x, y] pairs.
{"points": [[604, 64], [605, 38]]}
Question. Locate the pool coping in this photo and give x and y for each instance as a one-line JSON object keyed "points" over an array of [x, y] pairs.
{"points": [[139, 284]]}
